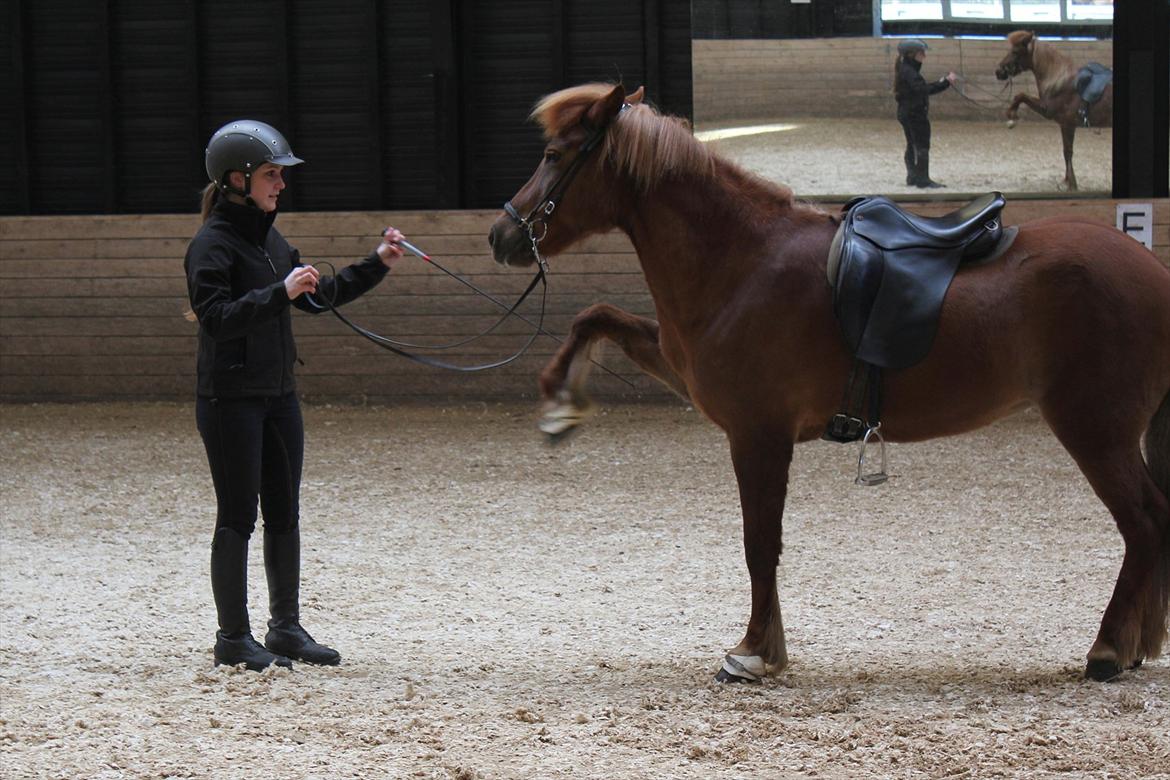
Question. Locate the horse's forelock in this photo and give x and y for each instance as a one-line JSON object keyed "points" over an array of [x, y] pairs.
{"points": [[560, 111]]}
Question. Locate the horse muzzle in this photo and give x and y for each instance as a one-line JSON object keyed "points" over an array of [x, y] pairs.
{"points": [[510, 244]]}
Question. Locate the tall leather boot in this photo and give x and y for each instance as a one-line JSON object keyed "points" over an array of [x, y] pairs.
{"points": [[923, 179], [911, 168], [234, 643], [282, 564]]}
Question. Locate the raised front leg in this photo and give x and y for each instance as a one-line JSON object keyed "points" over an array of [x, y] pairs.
{"points": [[1068, 134], [562, 383], [1013, 112], [761, 468]]}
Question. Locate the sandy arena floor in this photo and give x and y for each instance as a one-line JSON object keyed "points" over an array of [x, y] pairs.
{"points": [[847, 157], [510, 610]]}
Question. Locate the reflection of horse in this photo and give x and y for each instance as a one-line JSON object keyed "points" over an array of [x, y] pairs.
{"points": [[1074, 318], [1056, 81]]}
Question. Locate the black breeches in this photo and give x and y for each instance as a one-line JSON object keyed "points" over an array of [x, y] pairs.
{"points": [[917, 130], [255, 448]]}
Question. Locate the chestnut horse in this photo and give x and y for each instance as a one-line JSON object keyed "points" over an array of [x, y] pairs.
{"points": [[1074, 318], [1056, 82]]}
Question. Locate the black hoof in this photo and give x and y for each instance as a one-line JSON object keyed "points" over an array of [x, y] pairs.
{"points": [[724, 676], [1136, 664], [1102, 670]]}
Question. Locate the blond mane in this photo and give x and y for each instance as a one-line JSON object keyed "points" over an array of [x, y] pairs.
{"points": [[641, 143]]}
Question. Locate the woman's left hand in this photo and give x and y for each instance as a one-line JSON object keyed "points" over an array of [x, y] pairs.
{"points": [[389, 250]]}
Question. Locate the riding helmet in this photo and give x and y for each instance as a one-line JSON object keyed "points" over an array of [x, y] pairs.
{"points": [[244, 145], [911, 45]]}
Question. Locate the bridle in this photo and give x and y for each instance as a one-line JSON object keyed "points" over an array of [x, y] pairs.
{"points": [[535, 225], [537, 219]]}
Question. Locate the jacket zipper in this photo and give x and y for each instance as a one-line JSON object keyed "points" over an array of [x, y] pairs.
{"points": [[283, 345]]}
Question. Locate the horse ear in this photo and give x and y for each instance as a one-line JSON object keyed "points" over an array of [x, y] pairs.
{"points": [[636, 96], [1031, 41], [605, 109]]}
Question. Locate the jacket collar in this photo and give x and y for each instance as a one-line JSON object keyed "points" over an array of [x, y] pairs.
{"points": [[250, 222]]}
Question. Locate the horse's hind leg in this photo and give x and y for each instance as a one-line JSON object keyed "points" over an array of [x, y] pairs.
{"points": [[1133, 627], [562, 382]]}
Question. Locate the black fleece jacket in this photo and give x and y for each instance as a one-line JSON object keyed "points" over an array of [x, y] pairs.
{"points": [[912, 91], [236, 265]]}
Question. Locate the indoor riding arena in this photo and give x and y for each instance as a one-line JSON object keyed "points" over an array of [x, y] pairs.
{"points": [[509, 605]]}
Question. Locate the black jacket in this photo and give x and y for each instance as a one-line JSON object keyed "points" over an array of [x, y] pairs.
{"points": [[912, 91], [236, 265]]}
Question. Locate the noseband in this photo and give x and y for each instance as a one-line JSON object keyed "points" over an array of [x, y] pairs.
{"points": [[535, 225]]}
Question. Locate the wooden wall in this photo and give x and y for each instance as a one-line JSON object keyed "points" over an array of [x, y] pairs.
{"points": [[758, 79], [91, 307]]}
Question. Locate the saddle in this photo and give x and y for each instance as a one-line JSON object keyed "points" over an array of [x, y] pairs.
{"points": [[1091, 80], [889, 271]]}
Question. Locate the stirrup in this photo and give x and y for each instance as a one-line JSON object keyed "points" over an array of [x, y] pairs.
{"points": [[873, 477]]}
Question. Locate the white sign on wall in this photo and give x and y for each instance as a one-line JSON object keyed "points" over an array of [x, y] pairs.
{"points": [[1137, 220]]}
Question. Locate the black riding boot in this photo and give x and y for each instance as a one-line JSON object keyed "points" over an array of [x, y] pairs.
{"points": [[234, 643], [923, 179], [282, 564], [911, 170]]}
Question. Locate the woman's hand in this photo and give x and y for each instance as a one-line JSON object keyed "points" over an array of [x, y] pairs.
{"points": [[302, 279], [389, 250]]}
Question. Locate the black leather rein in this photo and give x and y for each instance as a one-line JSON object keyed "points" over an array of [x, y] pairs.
{"points": [[537, 217]]}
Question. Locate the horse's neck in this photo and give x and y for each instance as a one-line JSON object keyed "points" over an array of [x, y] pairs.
{"points": [[699, 240], [1052, 69]]}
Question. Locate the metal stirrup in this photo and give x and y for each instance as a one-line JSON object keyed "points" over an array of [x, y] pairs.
{"points": [[873, 477]]}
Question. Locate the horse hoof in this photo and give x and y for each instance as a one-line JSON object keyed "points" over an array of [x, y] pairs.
{"points": [[741, 669], [1102, 669], [561, 419], [724, 676], [1011, 123], [553, 438]]}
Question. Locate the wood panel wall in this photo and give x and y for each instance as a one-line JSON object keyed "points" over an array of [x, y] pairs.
{"points": [[758, 79], [91, 307]]}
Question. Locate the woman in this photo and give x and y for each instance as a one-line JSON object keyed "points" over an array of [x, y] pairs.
{"points": [[242, 278], [913, 93]]}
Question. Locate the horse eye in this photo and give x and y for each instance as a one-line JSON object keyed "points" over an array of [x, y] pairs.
{"points": [[551, 156]]}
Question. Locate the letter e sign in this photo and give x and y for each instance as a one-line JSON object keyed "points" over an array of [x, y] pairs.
{"points": [[1137, 221]]}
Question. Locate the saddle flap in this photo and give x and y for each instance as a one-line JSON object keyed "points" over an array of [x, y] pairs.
{"points": [[890, 271], [1092, 80]]}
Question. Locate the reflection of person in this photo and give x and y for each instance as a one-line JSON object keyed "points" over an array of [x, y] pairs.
{"points": [[242, 278], [913, 93]]}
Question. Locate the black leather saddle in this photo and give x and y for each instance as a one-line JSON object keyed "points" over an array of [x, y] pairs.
{"points": [[890, 270], [1092, 79]]}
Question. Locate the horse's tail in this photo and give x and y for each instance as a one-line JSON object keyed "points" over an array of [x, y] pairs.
{"points": [[1158, 447]]}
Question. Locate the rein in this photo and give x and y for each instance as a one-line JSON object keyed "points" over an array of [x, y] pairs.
{"points": [[401, 348], [968, 84], [538, 216]]}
